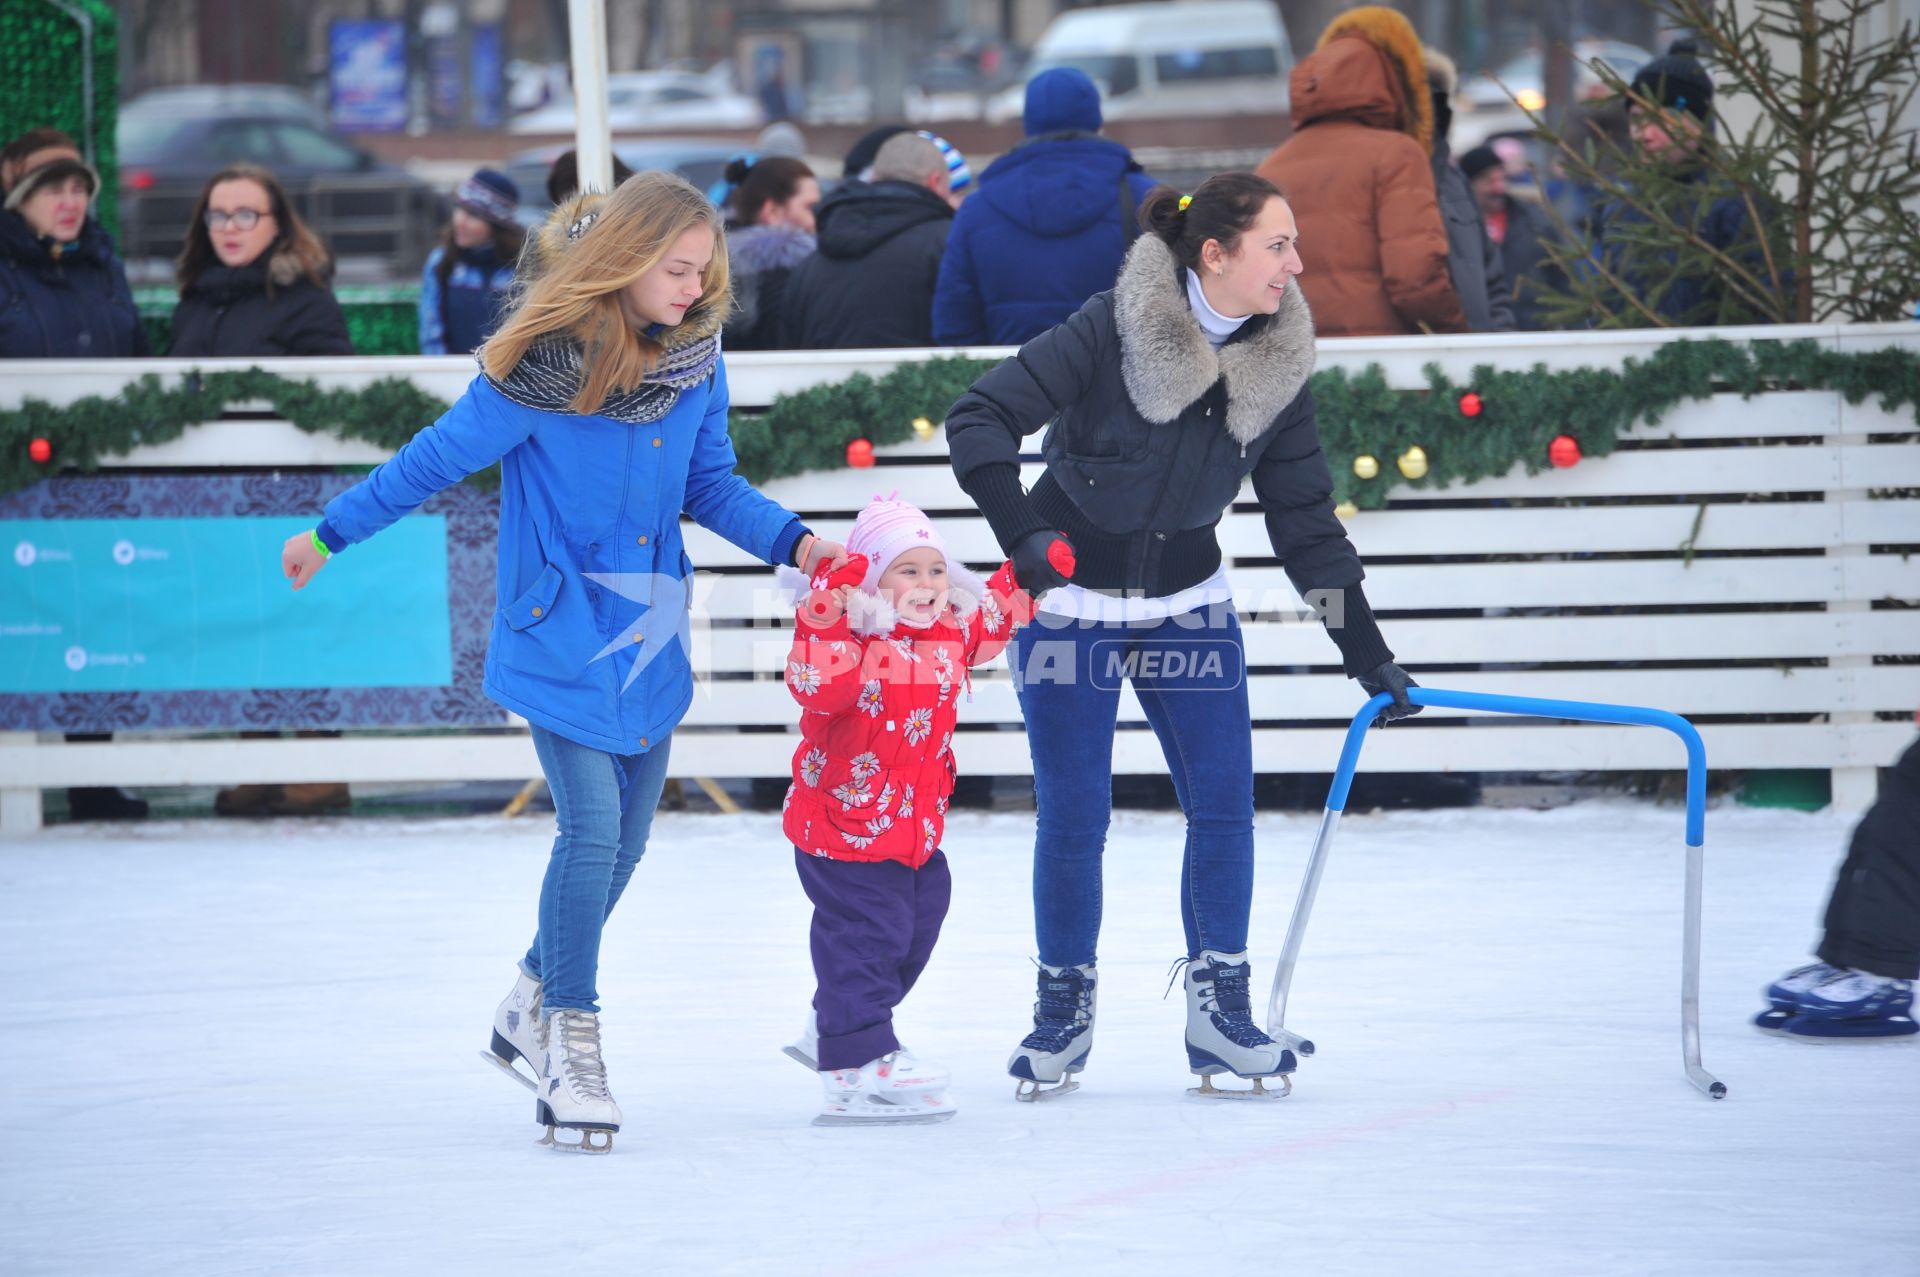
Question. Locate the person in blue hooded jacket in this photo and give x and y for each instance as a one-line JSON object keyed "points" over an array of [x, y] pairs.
{"points": [[1050, 225], [604, 397]]}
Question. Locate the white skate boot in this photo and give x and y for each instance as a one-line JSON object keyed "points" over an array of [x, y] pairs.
{"points": [[1221, 1034], [573, 1093], [894, 1090], [1062, 1034], [517, 1033], [805, 1051]]}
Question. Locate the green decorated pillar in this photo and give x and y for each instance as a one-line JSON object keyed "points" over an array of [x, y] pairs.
{"points": [[62, 72]]}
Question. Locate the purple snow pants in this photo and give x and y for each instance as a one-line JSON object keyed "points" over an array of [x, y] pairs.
{"points": [[874, 926]]}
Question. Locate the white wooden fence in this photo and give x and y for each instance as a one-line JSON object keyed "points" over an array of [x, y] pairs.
{"points": [[1782, 632]]}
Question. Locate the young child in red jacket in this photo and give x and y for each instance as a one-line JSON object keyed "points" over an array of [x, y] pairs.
{"points": [[881, 654]]}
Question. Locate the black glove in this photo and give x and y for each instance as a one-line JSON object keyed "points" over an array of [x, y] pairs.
{"points": [[1039, 559], [1388, 677]]}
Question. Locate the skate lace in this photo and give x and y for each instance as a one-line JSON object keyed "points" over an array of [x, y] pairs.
{"points": [[579, 1039], [1229, 1005], [1058, 1014]]}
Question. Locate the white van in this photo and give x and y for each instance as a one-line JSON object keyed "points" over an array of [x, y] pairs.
{"points": [[1206, 57]]}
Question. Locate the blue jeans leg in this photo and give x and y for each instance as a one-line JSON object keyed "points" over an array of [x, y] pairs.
{"points": [[604, 804], [1070, 723], [1205, 726]]}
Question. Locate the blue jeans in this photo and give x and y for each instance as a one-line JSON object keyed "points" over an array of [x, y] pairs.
{"points": [[605, 804], [1189, 673]]}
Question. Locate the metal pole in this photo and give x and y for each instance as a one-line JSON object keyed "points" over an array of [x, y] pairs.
{"points": [[1296, 933], [592, 138]]}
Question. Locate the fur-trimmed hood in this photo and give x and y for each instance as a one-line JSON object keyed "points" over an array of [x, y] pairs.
{"points": [[752, 249], [1168, 364], [1345, 88], [874, 617]]}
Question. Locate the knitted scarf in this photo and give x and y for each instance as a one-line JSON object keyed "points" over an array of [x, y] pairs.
{"points": [[549, 374]]}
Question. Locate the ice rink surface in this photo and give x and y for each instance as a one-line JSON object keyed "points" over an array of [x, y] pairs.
{"points": [[251, 1048]]}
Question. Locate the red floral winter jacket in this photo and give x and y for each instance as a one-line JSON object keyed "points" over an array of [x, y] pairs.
{"points": [[875, 768]]}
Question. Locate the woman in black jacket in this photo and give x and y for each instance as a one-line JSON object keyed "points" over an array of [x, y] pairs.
{"points": [[254, 279], [1164, 395], [63, 290]]}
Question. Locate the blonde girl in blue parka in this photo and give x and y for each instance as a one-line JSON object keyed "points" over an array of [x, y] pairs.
{"points": [[604, 397]]}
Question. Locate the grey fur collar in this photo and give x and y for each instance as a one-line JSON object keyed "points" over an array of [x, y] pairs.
{"points": [[872, 615], [1167, 364]]}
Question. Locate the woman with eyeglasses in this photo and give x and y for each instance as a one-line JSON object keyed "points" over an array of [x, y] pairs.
{"points": [[254, 279]]}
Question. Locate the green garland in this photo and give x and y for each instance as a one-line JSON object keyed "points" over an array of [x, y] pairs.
{"points": [[387, 413], [40, 47], [1358, 413]]}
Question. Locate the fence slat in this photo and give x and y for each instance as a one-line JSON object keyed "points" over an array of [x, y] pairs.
{"points": [[1501, 640], [1518, 746], [1746, 690], [1434, 586]]}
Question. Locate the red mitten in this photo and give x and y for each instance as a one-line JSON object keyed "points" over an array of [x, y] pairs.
{"points": [[852, 572]]}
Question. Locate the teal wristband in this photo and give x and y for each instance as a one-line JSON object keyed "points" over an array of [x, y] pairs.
{"points": [[320, 545]]}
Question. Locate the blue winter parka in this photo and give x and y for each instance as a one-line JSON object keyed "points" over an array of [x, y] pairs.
{"points": [[590, 546]]}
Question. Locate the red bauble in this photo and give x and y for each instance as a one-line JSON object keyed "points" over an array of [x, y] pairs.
{"points": [[41, 451], [860, 453], [1470, 405], [1564, 451]]}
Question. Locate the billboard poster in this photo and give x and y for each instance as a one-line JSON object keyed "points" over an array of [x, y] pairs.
{"points": [[367, 75]]}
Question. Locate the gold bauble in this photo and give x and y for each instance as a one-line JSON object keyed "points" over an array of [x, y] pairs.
{"points": [[1346, 509], [923, 429], [1413, 462], [1365, 466]]}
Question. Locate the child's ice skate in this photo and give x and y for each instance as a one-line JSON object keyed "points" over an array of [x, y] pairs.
{"points": [[805, 1051], [1853, 1006], [1221, 1034], [573, 1093], [1062, 1036], [894, 1090], [517, 1033]]}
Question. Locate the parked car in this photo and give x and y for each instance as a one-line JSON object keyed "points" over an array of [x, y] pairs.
{"points": [[1525, 76], [699, 160], [1210, 57], [361, 205], [653, 100], [278, 101]]}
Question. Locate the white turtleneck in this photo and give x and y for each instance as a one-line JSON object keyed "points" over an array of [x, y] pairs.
{"points": [[1216, 326]]}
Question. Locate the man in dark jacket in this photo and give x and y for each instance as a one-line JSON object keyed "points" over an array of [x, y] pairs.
{"points": [[1670, 116], [1472, 258], [1519, 228], [871, 282], [1050, 226]]}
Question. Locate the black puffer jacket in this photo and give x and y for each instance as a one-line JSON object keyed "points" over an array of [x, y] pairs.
{"points": [[73, 306], [871, 282], [231, 310], [1153, 433]]}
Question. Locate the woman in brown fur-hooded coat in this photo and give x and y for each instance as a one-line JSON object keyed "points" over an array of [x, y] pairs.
{"points": [[1358, 176]]}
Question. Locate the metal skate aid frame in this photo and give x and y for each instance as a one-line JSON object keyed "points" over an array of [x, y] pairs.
{"points": [[1579, 711]]}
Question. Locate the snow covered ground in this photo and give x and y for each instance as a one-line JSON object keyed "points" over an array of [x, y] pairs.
{"points": [[252, 1049]]}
